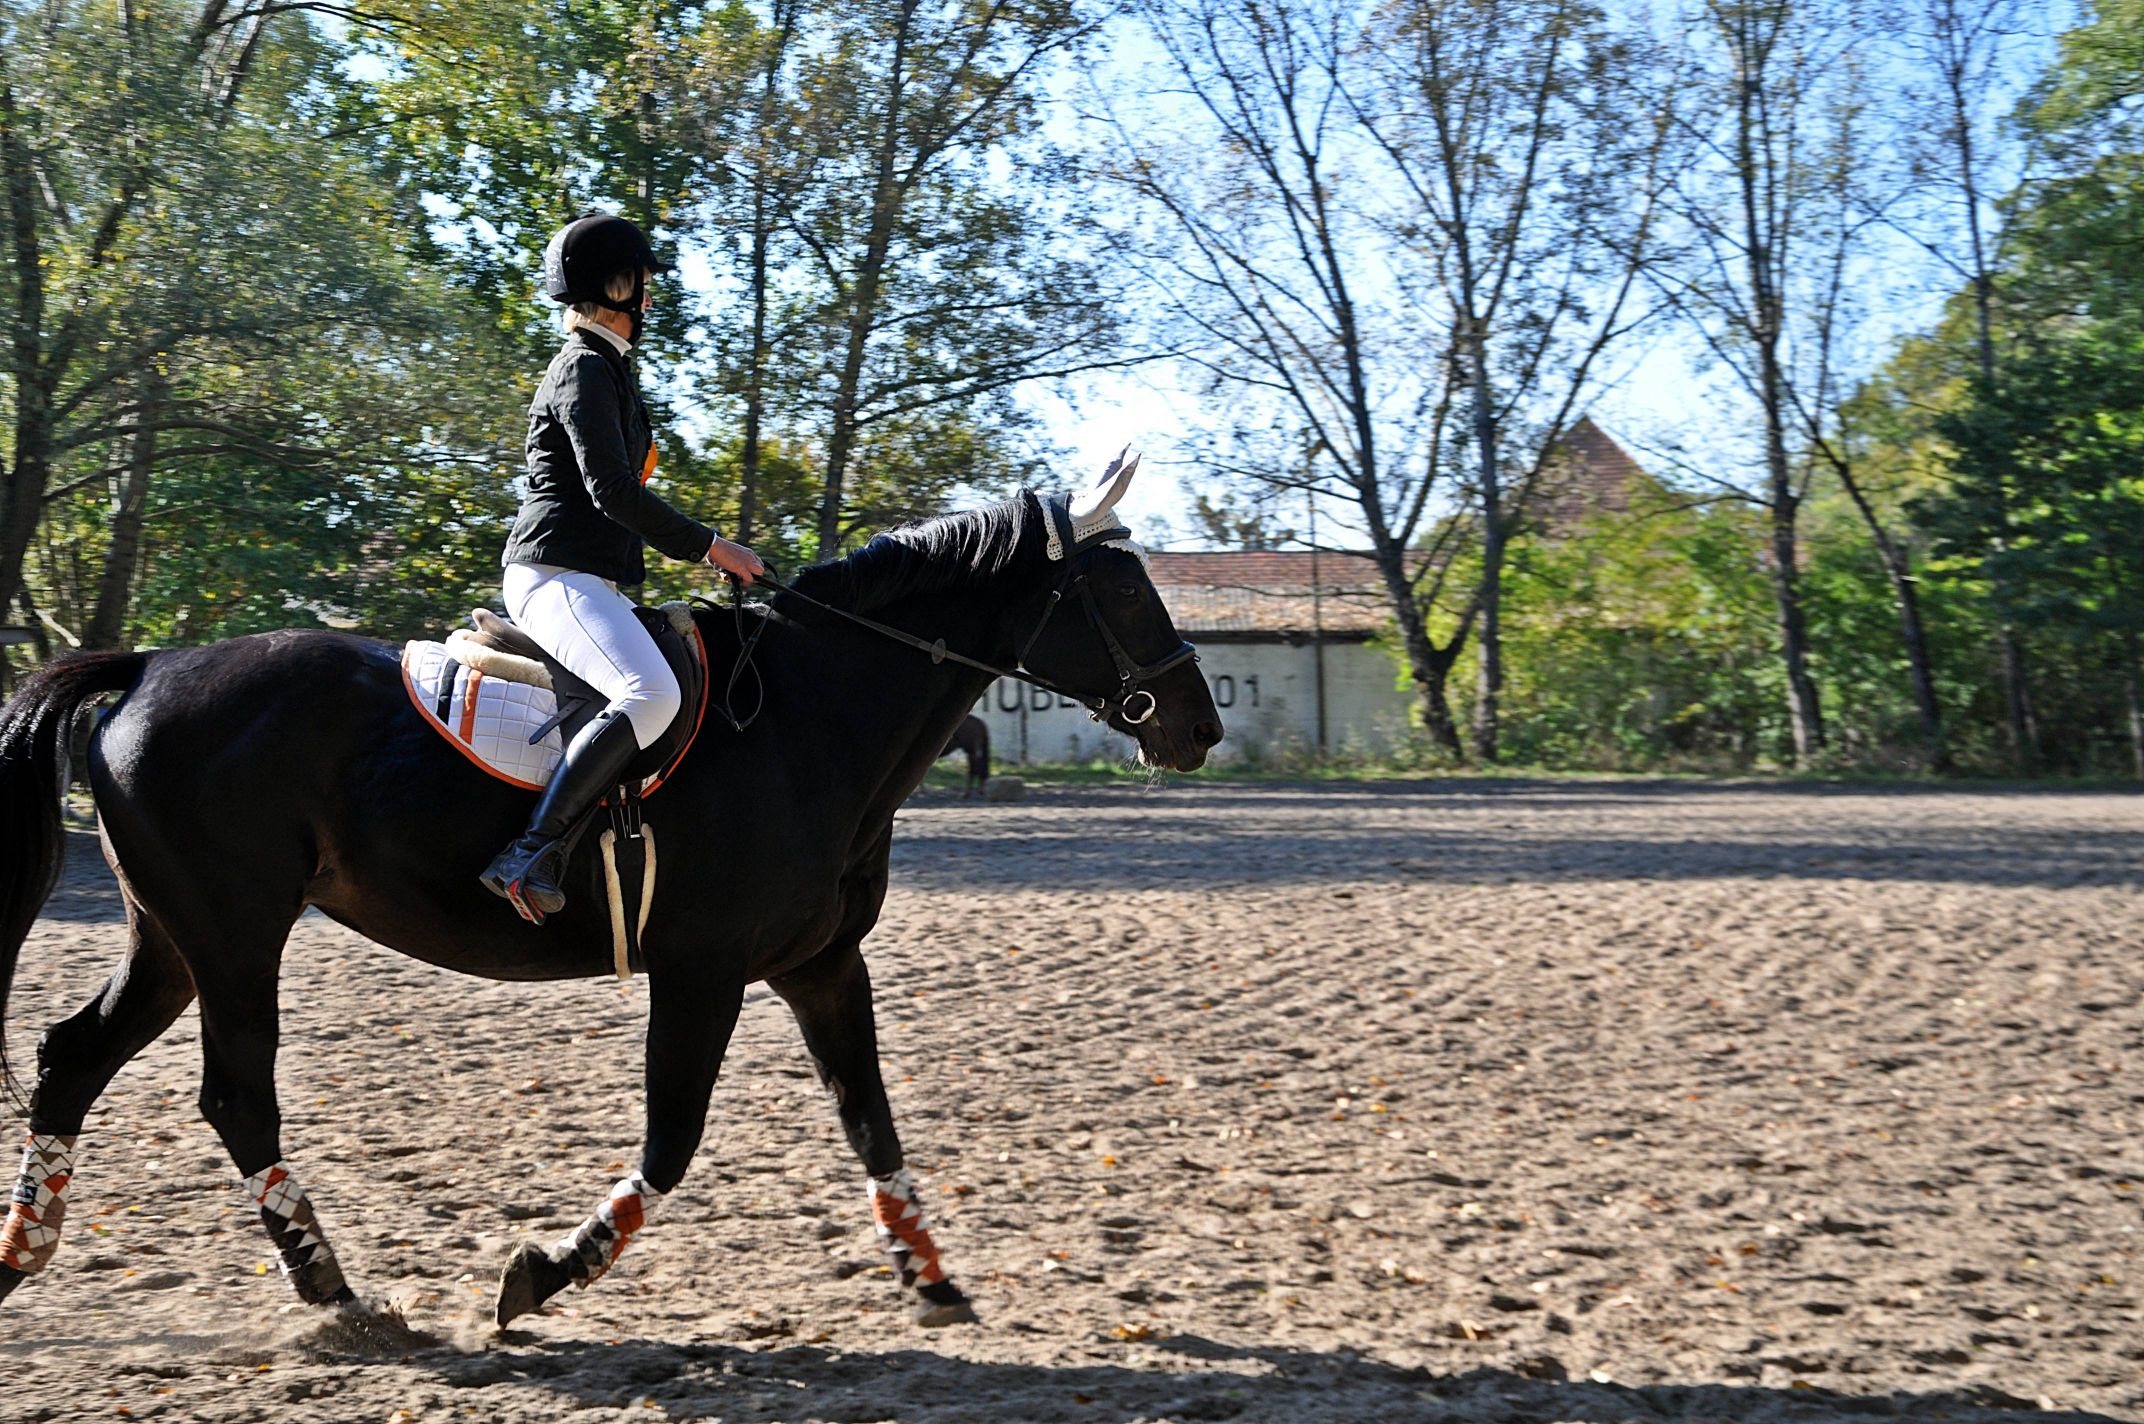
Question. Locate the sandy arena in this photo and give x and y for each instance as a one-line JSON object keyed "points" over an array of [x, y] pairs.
{"points": [[1467, 1100]]}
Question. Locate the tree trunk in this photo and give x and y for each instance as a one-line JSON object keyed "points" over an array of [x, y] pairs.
{"points": [[115, 583], [755, 397], [1430, 677], [23, 495], [755, 389], [1793, 634], [1767, 311], [1489, 663], [863, 297], [2133, 696], [2017, 698], [1905, 591], [1920, 668], [1428, 665]]}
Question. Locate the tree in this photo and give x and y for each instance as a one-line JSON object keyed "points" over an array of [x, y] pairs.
{"points": [[1388, 236], [867, 180], [1532, 153], [1963, 45], [2045, 504], [944, 287], [1777, 90], [209, 275]]}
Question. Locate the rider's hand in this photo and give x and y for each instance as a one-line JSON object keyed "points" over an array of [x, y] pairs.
{"points": [[735, 559]]}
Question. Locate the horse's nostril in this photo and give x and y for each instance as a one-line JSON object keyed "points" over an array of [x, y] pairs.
{"points": [[1207, 734]]}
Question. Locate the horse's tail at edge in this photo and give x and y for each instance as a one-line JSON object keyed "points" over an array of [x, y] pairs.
{"points": [[33, 732]]}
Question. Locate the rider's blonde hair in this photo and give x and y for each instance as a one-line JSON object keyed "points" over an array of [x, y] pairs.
{"points": [[580, 314]]}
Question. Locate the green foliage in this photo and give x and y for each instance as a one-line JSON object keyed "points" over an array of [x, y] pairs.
{"points": [[259, 334], [1643, 640]]}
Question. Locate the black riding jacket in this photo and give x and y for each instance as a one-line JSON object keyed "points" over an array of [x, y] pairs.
{"points": [[590, 453]]}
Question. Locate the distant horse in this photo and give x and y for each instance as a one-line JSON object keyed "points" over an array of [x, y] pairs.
{"points": [[972, 736], [238, 783]]}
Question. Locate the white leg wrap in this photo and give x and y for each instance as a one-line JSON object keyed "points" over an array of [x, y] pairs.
{"points": [[38, 1204], [897, 1212], [591, 1248], [301, 1245]]}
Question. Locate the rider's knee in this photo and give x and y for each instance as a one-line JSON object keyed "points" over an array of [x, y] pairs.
{"points": [[653, 705]]}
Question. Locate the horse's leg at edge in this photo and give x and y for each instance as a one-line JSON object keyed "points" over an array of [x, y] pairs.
{"points": [[689, 1024], [831, 998], [76, 1060]]}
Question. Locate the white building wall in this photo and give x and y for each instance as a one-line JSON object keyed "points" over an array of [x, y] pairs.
{"points": [[1266, 693]]}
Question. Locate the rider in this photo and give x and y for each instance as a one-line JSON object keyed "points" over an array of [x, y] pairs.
{"points": [[583, 521]]}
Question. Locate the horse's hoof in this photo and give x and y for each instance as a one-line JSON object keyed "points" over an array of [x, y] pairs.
{"points": [[9, 1279], [942, 1304], [530, 1279]]}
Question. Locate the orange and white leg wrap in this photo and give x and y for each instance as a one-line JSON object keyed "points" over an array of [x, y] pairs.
{"points": [[301, 1244], [39, 1203], [897, 1212], [595, 1245]]}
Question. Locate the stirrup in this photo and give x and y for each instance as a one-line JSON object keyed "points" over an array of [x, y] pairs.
{"points": [[508, 874], [512, 890]]}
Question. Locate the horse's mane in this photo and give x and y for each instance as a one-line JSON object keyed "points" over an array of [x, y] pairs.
{"points": [[951, 553]]}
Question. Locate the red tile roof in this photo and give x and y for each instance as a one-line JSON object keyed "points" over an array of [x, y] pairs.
{"points": [[1594, 476], [1266, 591]]}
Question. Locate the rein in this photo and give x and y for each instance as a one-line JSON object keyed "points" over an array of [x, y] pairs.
{"points": [[1131, 676]]}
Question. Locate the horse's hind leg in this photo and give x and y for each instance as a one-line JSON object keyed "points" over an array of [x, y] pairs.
{"points": [[229, 930], [831, 997], [76, 1060], [239, 1036]]}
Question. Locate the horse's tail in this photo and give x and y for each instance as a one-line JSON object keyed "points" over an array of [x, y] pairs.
{"points": [[33, 734]]}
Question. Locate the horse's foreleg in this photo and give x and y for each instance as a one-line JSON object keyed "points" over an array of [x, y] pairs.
{"points": [[75, 1062], [689, 1024], [831, 997]]}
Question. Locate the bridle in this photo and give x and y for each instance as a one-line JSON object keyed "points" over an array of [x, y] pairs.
{"points": [[1132, 676]]}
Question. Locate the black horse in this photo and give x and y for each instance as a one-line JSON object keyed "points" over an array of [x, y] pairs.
{"points": [[972, 740], [239, 783]]}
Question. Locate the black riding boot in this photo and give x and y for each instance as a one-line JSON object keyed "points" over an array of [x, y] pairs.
{"points": [[528, 872]]}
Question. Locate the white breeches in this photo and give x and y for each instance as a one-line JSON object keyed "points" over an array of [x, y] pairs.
{"points": [[588, 625]]}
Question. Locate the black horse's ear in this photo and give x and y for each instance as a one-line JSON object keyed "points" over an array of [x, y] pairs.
{"points": [[1091, 511], [1090, 508]]}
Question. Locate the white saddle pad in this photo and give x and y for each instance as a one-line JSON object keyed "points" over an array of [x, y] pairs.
{"points": [[488, 718]]}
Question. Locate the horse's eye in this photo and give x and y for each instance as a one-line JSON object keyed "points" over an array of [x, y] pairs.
{"points": [[1129, 592]]}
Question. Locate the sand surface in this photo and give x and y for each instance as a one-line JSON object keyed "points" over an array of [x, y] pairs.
{"points": [[1468, 1100]]}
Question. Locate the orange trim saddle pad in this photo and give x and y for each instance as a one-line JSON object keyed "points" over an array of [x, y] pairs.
{"points": [[490, 719]]}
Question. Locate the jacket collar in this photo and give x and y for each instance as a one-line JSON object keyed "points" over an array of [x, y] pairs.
{"points": [[603, 343]]}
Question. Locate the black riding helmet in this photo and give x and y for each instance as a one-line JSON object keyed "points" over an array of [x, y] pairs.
{"points": [[587, 252]]}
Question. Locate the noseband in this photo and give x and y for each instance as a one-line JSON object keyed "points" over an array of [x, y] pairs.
{"points": [[1132, 676]]}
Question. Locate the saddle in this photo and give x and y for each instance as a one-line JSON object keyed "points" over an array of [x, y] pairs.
{"points": [[516, 657], [497, 698]]}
